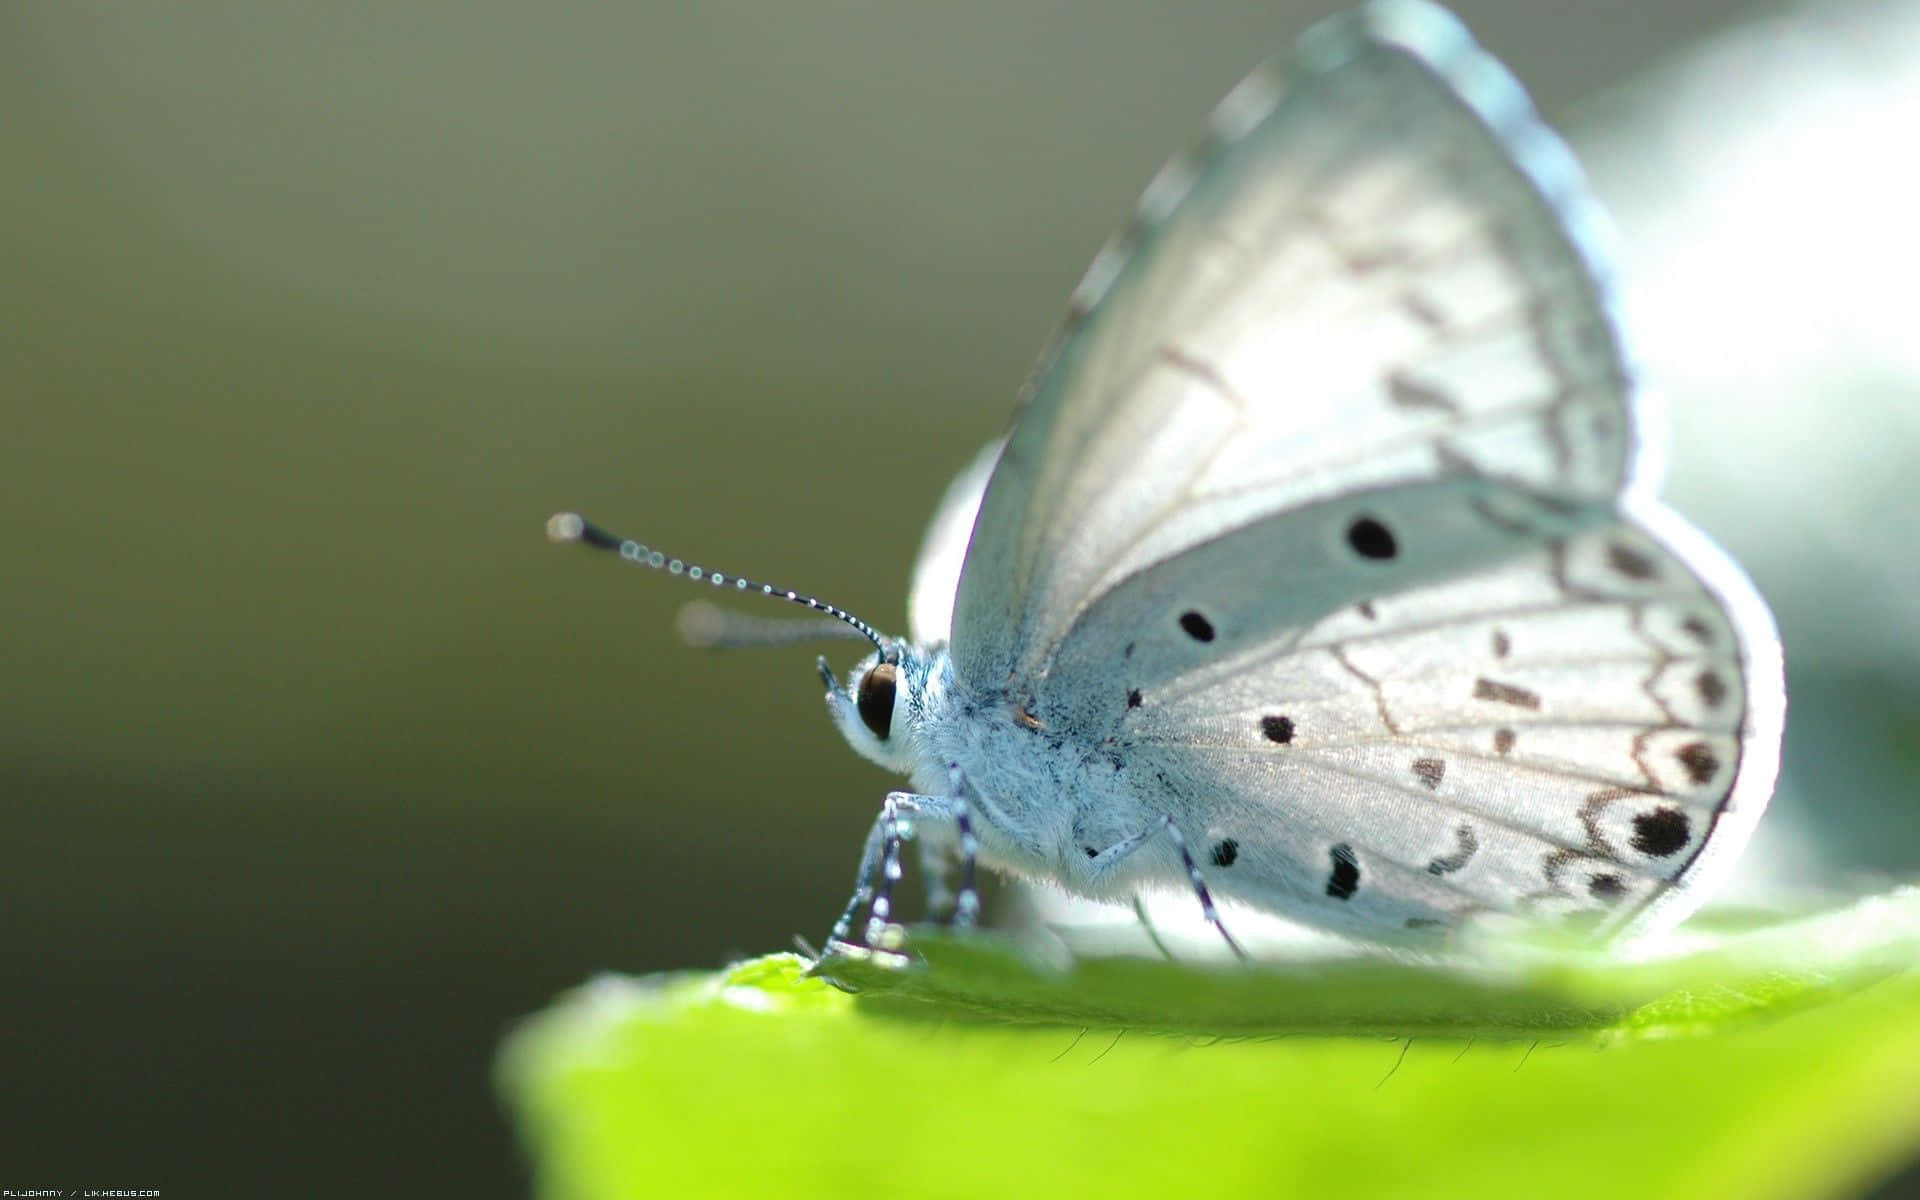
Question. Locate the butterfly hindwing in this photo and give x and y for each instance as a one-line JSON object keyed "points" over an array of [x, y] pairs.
{"points": [[1559, 733], [936, 568]]}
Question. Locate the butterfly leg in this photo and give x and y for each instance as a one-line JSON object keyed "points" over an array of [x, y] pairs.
{"points": [[966, 908], [937, 860], [863, 881], [966, 905], [880, 861], [936, 867], [1109, 858], [897, 831]]}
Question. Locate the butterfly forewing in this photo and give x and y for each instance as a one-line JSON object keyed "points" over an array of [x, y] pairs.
{"points": [[1360, 281]]}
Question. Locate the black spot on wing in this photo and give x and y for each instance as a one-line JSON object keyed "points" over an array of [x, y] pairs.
{"points": [[1345, 880], [1277, 729], [1503, 740], [1700, 761], [1660, 832], [1196, 626], [1370, 539], [1133, 698], [1712, 688], [1606, 888], [1224, 852], [1701, 631], [1430, 771]]}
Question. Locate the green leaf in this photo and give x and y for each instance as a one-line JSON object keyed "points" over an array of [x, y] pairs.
{"points": [[1778, 1062]]}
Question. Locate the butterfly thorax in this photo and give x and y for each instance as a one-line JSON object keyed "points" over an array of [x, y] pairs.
{"points": [[1016, 770]]}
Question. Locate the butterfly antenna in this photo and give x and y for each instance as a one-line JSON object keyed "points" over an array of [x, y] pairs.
{"points": [[572, 527]]}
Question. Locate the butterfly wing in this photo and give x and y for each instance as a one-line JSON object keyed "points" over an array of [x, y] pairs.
{"points": [[1559, 732], [943, 548], [1376, 270], [1325, 514]]}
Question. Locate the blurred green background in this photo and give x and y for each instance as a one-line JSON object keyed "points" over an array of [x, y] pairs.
{"points": [[320, 766]]}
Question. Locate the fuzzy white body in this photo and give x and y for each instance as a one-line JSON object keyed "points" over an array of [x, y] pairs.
{"points": [[1046, 806]]}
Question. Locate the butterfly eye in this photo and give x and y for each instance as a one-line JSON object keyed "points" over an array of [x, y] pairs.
{"points": [[876, 699]]}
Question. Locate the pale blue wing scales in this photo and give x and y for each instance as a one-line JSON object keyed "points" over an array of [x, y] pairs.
{"points": [[1377, 272], [1562, 733]]}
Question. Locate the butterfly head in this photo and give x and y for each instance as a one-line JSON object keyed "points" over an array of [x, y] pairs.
{"points": [[880, 705], [882, 698]]}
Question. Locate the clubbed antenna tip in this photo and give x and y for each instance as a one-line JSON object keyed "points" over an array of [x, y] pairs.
{"points": [[572, 527]]}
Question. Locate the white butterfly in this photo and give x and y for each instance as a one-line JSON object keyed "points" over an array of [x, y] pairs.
{"points": [[1320, 570]]}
